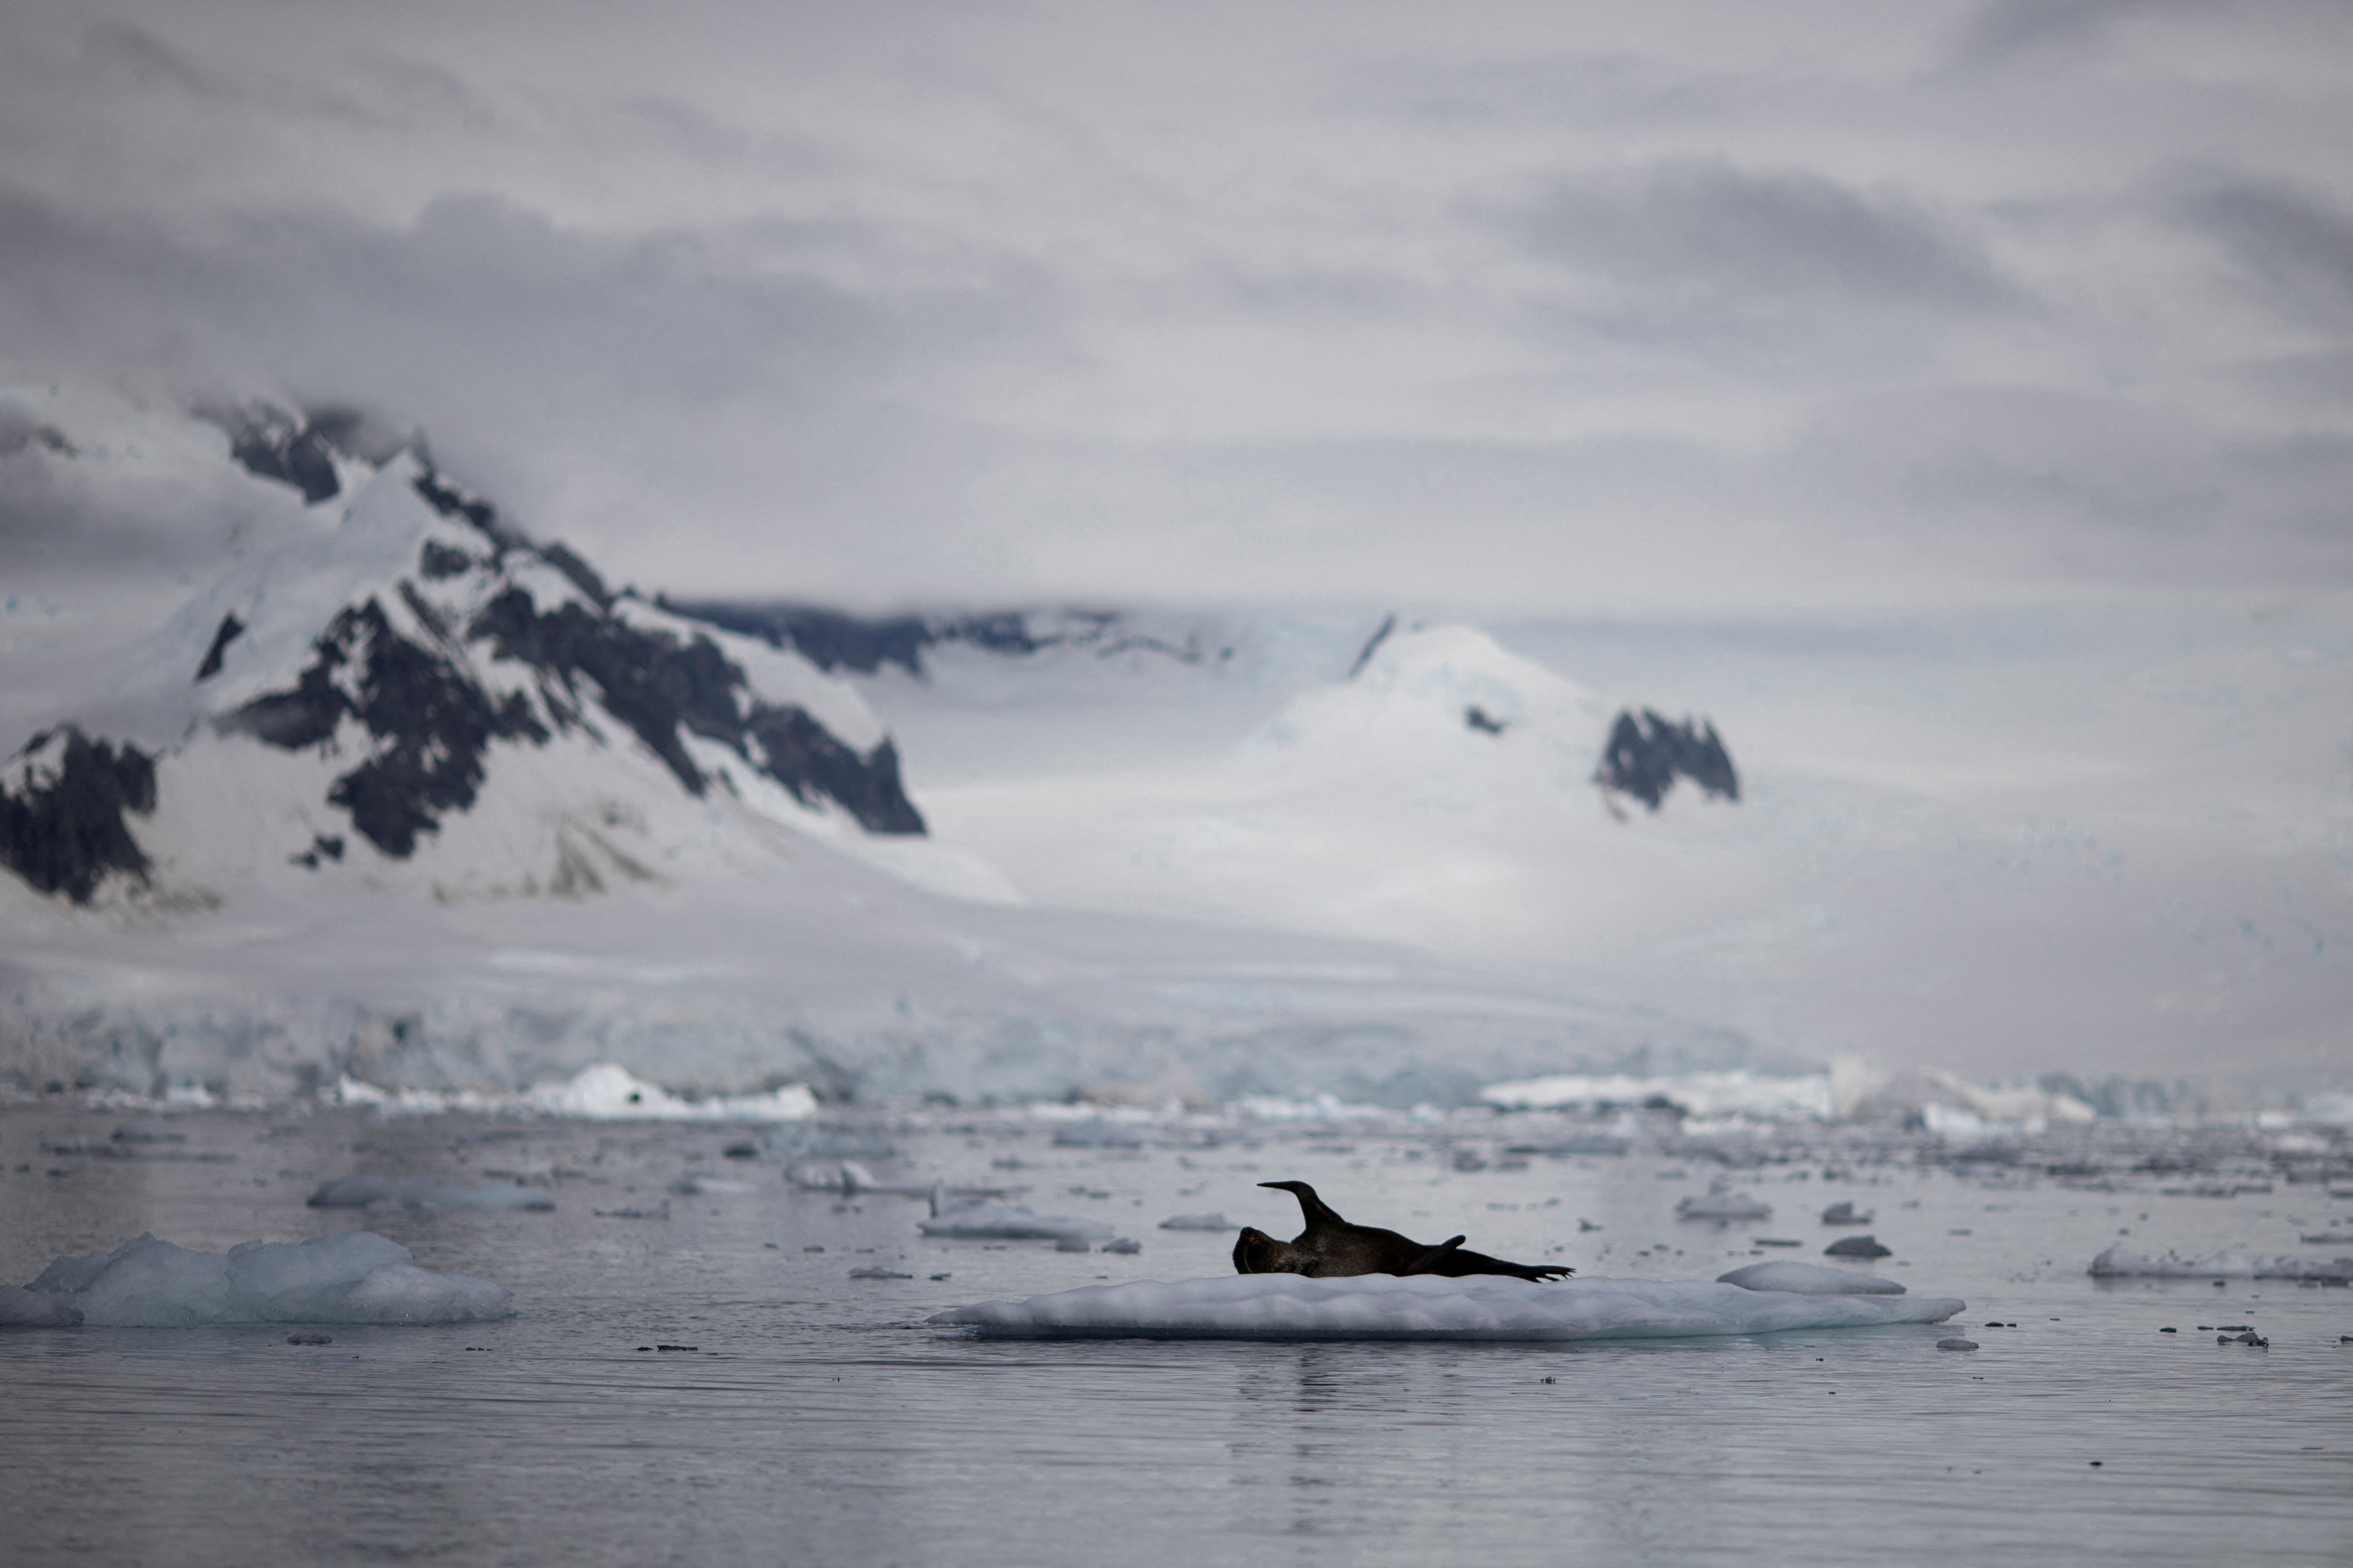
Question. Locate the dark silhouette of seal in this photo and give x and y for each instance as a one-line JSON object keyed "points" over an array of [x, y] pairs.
{"points": [[1330, 1248]]}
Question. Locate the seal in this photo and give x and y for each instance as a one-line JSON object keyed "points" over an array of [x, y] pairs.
{"points": [[1330, 1248]]}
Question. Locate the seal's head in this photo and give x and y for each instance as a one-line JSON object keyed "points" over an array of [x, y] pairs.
{"points": [[1255, 1252]]}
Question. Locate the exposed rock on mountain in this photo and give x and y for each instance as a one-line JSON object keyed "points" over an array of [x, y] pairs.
{"points": [[400, 645], [1646, 754], [62, 804]]}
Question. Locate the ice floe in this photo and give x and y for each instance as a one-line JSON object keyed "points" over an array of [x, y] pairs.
{"points": [[2228, 1264], [1723, 1201], [1429, 1307], [1006, 1222], [355, 1278], [1808, 1280], [1196, 1222], [426, 1195]]}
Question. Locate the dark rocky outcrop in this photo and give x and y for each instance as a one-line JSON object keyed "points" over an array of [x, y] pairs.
{"points": [[1646, 754], [661, 685], [272, 444], [431, 724], [231, 629], [803, 756], [63, 830]]}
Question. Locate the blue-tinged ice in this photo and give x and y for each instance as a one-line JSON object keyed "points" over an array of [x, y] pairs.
{"points": [[355, 1278], [1429, 1307]]}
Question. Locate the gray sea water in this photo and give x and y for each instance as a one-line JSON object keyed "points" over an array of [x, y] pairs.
{"points": [[820, 1420]]}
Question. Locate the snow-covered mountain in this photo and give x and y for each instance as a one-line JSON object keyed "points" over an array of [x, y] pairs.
{"points": [[398, 791]]}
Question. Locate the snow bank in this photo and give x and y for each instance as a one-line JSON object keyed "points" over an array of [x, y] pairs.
{"points": [[428, 1195], [1011, 1221], [2228, 1264], [355, 1278], [1808, 1280], [1424, 1306], [1722, 1202]]}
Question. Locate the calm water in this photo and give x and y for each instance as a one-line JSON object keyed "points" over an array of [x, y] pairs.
{"points": [[820, 1421]]}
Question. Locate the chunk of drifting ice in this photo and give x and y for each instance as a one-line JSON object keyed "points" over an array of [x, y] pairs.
{"points": [[2228, 1264], [426, 1195], [1195, 1222], [830, 1175], [1843, 1213], [356, 1277], [1010, 1221], [1429, 1307], [1722, 1202], [704, 1186], [1857, 1246], [1808, 1280]]}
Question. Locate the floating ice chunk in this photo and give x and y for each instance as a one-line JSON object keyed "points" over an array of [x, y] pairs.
{"points": [[830, 1175], [1429, 1307], [1195, 1222], [1857, 1246], [704, 1186], [1722, 1201], [1808, 1280], [357, 1278], [1010, 1221], [426, 1195], [2228, 1264], [1843, 1213]]}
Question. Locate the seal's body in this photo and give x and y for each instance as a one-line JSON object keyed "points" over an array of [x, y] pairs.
{"points": [[1330, 1248]]}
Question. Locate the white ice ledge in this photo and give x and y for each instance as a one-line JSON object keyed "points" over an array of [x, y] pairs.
{"points": [[1426, 1307]]}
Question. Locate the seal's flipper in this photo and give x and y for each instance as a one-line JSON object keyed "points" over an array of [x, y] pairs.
{"points": [[1421, 1264], [1315, 1210]]}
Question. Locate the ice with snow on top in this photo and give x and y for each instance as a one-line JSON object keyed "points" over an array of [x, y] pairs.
{"points": [[357, 1276], [1722, 1202], [1429, 1307], [1808, 1280], [1196, 1222], [2231, 1263], [426, 1195]]}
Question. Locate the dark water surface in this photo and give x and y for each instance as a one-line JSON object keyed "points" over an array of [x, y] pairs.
{"points": [[820, 1421]]}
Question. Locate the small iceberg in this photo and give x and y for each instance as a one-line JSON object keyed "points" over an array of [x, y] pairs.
{"points": [[1843, 1213], [2228, 1264], [1196, 1222], [1808, 1280], [1723, 1201], [424, 1195], [1006, 1222], [355, 1278], [1857, 1246], [1429, 1307], [1011, 1221]]}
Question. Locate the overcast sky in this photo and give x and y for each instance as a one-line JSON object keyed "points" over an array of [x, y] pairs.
{"points": [[1527, 307]]}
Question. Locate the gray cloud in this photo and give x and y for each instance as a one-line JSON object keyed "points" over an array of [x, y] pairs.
{"points": [[2292, 248], [1714, 229]]}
